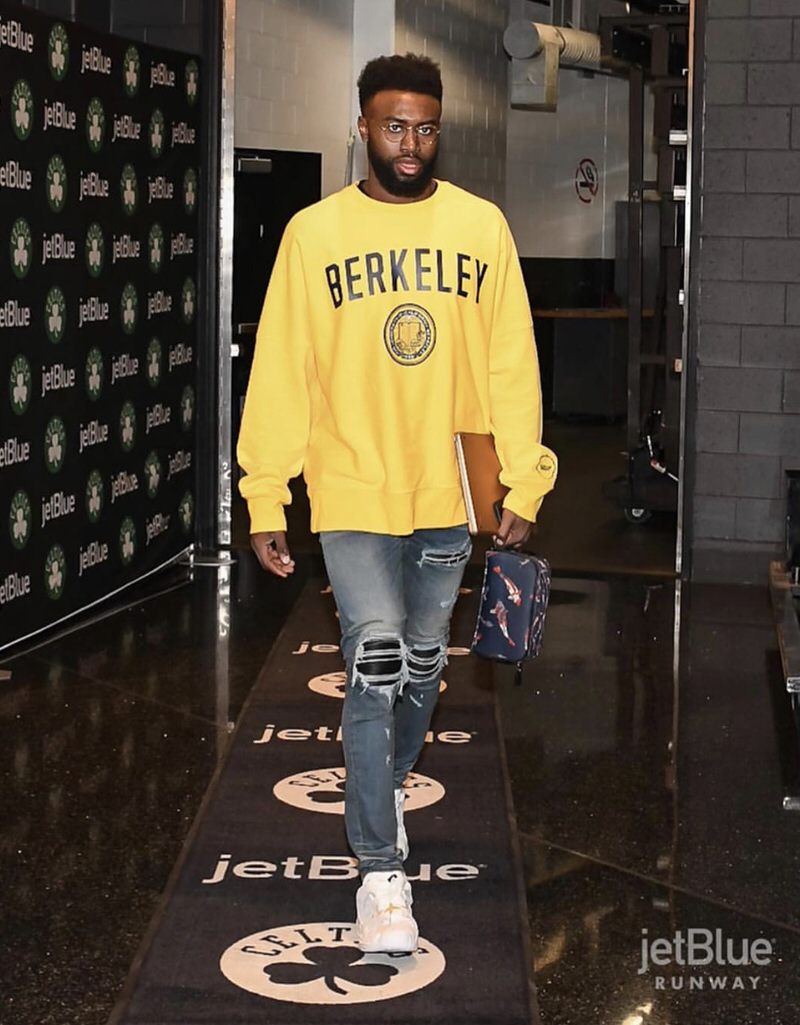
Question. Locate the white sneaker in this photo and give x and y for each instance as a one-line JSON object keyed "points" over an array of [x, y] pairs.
{"points": [[384, 922], [402, 836]]}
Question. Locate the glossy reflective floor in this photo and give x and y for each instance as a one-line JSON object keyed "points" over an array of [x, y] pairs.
{"points": [[648, 794]]}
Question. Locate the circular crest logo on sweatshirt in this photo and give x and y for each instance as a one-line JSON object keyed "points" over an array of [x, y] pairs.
{"points": [[321, 963], [409, 334], [323, 790]]}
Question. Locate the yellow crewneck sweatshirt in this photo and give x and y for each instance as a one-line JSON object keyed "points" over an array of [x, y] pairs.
{"points": [[386, 328]]}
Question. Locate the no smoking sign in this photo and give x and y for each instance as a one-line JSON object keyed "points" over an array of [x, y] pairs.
{"points": [[587, 180]]}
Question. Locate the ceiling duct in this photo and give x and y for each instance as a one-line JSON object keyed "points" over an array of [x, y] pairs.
{"points": [[537, 51]]}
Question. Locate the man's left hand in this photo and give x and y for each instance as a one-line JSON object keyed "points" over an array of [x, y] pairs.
{"points": [[513, 530]]}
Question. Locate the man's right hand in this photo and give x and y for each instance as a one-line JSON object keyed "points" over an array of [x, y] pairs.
{"points": [[272, 552]]}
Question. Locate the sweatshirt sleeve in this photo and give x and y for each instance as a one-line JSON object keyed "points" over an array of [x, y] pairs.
{"points": [[275, 422], [515, 395]]}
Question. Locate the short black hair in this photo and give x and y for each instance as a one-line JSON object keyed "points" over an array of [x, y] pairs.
{"points": [[412, 73]]}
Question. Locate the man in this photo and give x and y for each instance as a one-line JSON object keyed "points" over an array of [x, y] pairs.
{"points": [[395, 316]]}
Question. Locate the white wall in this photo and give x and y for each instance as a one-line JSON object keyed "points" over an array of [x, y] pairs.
{"points": [[294, 79], [544, 151], [466, 38]]}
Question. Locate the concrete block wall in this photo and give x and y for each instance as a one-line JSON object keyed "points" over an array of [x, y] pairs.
{"points": [[466, 38], [748, 272], [294, 79]]}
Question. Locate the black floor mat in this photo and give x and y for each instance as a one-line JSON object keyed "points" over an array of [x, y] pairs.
{"points": [[257, 927]]}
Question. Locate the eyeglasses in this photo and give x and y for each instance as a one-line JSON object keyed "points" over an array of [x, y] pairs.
{"points": [[395, 132]]}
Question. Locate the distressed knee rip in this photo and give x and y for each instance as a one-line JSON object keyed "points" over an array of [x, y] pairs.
{"points": [[378, 662], [447, 559], [425, 665]]}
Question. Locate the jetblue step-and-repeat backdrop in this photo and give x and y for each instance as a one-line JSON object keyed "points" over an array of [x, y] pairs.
{"points": [[99, 181]]}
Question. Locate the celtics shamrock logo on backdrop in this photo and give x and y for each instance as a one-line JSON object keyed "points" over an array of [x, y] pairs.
{"points": [[154, 363], [186, 512], [95, 125], [55, 314], [127, 427], [192, 81], [58, 52], [55, 444], [20, 520], [156, 133], [94, 374], [128, 189], [94, 496], [131, 71], [55, 572], [128, 308], [20, 385], [187, 407], [189, 190], [188, 298], [21, 109], [127, 541], [95, 249], [56, 184], [155, 248], [21, 247], [152, 474]]}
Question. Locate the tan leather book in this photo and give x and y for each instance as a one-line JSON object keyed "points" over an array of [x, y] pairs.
{"points": [[479, 471]]}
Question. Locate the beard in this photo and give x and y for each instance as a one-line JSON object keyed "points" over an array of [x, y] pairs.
{"points": [[397, 184]]}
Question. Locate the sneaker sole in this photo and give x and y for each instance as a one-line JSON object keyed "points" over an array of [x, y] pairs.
{"points": [[389, 943]]}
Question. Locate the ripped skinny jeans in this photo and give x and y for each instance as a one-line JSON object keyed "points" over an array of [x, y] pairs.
{"points": [[395, 596]]}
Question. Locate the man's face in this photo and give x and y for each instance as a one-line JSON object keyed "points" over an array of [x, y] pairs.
{"points": [[401, 133]]}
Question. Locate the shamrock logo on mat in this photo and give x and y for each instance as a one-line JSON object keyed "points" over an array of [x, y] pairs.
{"points": [[332, 965], [334, 795], [154, 363]]}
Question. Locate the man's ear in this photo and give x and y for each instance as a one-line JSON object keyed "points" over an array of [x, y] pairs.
{"points": [[363, 129]]}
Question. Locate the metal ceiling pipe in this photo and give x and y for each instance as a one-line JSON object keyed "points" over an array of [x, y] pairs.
{"points": [[577, 49]]}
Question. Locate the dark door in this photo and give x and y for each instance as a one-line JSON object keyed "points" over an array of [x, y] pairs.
{"points": [[270, 186]]}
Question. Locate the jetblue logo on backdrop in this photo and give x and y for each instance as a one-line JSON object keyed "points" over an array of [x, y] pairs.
{"points": [[93, 59], [58, 115], [161, 74], [14, 36], [57, 506], [14, 176], [182, 134], [14, 314], [124, 127]]}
